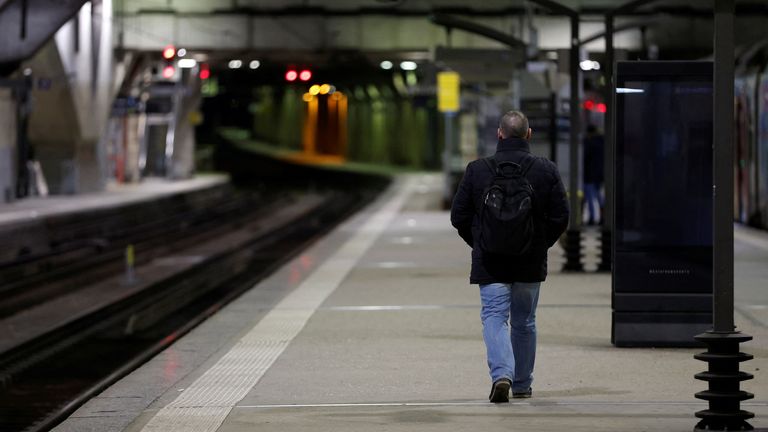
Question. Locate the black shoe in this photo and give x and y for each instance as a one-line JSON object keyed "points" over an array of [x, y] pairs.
{"points": [[500, 391], [522, 395]]}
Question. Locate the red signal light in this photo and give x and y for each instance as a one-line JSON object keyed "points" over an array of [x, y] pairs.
{"points": [[291, 75], [589, 104], [168, 71], [205, 71], [601, 108], [169, 52], [305, 75]]}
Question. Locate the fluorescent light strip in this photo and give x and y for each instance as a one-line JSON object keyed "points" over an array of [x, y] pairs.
{"points": [[628, 90]]}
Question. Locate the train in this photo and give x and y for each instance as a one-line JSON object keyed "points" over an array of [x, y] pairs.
{"points": [[751, 137]]}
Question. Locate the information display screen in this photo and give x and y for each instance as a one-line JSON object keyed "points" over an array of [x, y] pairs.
{"points": [[663, 172]]}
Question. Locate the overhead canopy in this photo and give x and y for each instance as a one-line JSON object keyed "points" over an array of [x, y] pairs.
{"points": [[25, 25]]}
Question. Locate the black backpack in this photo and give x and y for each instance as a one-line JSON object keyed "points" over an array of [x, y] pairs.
{"points": [[506, 213]]}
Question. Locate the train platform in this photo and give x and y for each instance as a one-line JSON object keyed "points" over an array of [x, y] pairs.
{"points": [[115, 195], [375, 327]]}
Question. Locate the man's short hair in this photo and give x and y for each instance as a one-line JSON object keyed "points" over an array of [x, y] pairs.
{"points": [[514, 124]]}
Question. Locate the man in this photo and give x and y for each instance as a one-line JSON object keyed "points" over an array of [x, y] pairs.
{"points": [[509, 285], [593, 172]]}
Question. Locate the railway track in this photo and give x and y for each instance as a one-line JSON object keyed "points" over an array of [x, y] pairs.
{"points": [[47, 378], [83, 250]]}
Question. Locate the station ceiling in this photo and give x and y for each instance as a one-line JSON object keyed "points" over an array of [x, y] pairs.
{"points": [[484, 7], [368, 25], [303, 30]]}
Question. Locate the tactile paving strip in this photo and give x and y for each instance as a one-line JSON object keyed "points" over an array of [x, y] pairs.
{"points": [[204, 405]]}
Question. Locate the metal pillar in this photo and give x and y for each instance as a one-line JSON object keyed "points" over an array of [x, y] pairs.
{"points": [[723, 341], [23, 148], [606, 233], [447, 159], [573, 235], [606, 240]]}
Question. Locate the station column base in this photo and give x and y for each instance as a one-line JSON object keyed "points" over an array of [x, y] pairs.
{"points": [[605, 251], [573, 251], [723, 376]]}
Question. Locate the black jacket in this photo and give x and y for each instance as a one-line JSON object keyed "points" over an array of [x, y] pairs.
{"points": [[550, 217]]}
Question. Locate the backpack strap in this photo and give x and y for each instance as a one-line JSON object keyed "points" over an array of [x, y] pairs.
{"points": [[527, 167], [492, 165]]}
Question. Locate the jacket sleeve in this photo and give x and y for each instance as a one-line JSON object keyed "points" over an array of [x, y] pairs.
{"points": [[557, 213], [463, 208]]}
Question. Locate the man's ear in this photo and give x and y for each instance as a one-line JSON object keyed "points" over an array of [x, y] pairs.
{"points": [[498, 134], [529, 134]]}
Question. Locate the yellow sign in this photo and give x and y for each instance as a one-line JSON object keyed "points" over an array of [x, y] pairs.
{"points": [[195, 118], [447, 91]]}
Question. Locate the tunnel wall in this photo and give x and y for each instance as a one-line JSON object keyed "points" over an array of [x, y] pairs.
{"points": [[382, 128]]}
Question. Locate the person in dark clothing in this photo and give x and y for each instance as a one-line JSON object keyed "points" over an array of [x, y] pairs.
{"points": [[509, 285], [594, 143]]}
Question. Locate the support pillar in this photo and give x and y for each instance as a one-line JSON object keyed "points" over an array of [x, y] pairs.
{"points": [[723, 355], [573, 235], [606, 230], [447, 160], [23, 148]]}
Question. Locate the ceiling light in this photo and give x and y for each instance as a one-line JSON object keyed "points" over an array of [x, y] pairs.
{"points": [[187, 63], [254, 64], [235, 64], [408, 65], [386, 65], [587, 65]]}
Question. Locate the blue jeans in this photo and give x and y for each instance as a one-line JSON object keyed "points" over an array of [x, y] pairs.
{"points": [[511, 354], [592, 194]]}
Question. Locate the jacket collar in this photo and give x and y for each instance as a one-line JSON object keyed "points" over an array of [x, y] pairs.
{"points": [[512, 144]]}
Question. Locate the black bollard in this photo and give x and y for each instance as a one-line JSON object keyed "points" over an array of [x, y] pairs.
{"points": [[573, 253]]}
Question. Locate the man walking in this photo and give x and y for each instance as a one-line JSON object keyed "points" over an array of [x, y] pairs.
{"points": [[509, 281]]}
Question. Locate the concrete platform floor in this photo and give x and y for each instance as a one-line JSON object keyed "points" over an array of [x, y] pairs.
{"points": [[115, 195], [397, 346]]}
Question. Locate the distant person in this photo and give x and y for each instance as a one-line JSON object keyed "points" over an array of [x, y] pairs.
{"points": [[510, 263], [594, 143]]}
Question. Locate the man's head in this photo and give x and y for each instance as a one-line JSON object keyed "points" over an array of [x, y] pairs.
{"points": [[514, 124]]}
